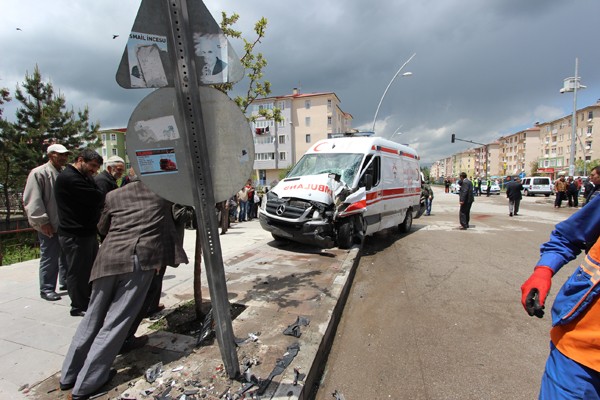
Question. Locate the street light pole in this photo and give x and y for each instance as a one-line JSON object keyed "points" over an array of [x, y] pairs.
{"points": [[571, 84], [388, 86]]}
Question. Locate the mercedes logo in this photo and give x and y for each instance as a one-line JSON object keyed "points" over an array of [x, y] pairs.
{"points": [[280, 210]]}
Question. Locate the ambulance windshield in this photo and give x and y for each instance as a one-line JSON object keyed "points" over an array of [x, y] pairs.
{"points": [[345, 165]]}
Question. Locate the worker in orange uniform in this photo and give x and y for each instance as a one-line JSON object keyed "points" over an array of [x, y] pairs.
{"points": [[573, 366]]}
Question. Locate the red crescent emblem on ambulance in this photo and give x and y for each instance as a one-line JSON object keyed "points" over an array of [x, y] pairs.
{"points": [[319, 145]]}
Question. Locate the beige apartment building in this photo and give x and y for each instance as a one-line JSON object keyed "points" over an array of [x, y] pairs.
{"points": [[518, 152], [543, 149], [555, 142], [307, 118]]}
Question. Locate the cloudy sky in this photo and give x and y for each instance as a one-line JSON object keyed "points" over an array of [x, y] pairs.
{"points": [[483, 68]]}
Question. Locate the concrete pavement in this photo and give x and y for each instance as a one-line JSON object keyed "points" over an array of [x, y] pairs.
{"points": [[275, 284]]}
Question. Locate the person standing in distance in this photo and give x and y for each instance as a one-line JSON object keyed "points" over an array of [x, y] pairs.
{"points": [[513, 193], [465, 199], [79, 202], [42, 213]]}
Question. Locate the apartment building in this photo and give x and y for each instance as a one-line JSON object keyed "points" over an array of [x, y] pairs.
{"points": [[307, 118], [113, 144], [518, 152], [555, 141]]}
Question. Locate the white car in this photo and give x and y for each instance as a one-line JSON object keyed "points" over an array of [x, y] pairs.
{"points": [[495, 189]]}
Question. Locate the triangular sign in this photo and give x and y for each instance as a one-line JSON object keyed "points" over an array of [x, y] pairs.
{"points": [[146, 62]]}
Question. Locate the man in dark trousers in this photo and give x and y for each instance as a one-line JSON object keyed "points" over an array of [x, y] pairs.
{"points": [[140, 239], [79, 203], [513, 193], [465, 198]]}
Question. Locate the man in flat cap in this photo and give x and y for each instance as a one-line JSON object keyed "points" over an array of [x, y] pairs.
{"points": [[42, 214]]}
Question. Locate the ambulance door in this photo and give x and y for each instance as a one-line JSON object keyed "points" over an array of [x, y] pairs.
{"points": [[372, 215]]}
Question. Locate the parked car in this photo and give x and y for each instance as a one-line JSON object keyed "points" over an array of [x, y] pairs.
{"points": [[495, 189], [533, 185]]}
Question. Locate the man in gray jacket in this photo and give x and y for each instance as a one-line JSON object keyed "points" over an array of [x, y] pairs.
{"points": [[140, 239], [42, 214]]}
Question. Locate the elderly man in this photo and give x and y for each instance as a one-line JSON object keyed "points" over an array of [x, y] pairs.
{"points": [[107, 179], [140, 239], [79, 202], [42, 214]]}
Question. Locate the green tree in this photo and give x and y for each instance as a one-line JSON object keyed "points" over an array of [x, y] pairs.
{"points": [[41, 120], [533, 168], [253, 62]]}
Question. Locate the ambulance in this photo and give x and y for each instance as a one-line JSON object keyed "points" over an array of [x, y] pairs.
{"points": [[343, 189]]}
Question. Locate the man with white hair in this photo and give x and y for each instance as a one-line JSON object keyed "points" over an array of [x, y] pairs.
{"points": [[42, 214], [107, 179]]}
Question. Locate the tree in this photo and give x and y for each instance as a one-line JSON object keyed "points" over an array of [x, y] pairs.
{"points": [[534, 166], [41, 121], [252, 63]]}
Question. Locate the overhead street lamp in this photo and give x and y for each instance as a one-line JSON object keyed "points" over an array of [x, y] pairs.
{"points": [[571, 84], [390, 84]]}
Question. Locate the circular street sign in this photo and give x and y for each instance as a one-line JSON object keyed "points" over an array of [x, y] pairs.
{"points": [[156, 143]]}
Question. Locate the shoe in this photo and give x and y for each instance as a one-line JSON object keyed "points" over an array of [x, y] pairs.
{"points": [[62, 287], [133, 343], [77, 313], [516, 214], [510, 214], [66, 386], [50, 296], [158, 309], [111, 374]]}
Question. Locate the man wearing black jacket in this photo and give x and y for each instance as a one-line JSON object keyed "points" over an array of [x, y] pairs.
{"points": [[466, 200], [79, 202]]}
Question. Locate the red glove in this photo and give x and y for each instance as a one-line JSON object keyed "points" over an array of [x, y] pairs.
{"points": [[535, 289]]}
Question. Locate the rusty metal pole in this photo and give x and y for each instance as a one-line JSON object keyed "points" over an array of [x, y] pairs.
{"points": [[181, 51]]}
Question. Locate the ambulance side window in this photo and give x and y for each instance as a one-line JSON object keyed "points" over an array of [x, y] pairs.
{"points": [[374, 169]]}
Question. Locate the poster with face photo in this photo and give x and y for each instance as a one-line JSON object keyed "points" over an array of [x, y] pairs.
{"points": [[212, 52]]}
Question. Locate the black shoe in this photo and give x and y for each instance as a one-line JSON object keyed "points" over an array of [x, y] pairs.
{"points": [[62, 287], [50, 296], [66, 386], [133, 343], [510, 214], [77, 313]]}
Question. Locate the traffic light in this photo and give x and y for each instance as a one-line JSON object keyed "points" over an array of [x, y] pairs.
{"points": [[452, 140]]}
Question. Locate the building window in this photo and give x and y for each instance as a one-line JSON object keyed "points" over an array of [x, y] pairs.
{"points": [[307, 138], [104, 152], [590, 115], [307, 104], [114, 152], [281, 139], [589, 130], [113, 136], [307, 121], [329, 104], [329, 121], [282, 156], [104, 137], [264, 156]]}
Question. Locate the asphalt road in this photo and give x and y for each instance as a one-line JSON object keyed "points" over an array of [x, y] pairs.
{"points": [[436, 313]]}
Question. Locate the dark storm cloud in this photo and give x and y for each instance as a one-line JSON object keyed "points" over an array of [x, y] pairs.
{"points": [[483, 68]]}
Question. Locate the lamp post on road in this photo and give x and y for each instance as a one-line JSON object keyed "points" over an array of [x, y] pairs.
{"points": [[388, 86], [571, 84]]}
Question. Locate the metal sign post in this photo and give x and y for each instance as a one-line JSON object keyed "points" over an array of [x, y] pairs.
{"points": [[188, 98], [169, 137]]}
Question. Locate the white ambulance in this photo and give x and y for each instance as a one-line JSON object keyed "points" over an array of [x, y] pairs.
{"points": [[343, 189]]}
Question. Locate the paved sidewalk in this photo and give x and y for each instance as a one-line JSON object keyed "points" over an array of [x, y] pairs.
{"points": [[276, 283]]}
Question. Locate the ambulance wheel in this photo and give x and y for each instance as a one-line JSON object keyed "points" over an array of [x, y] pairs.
{"points": [[526, 192], [405, 226], [345, 237]]}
